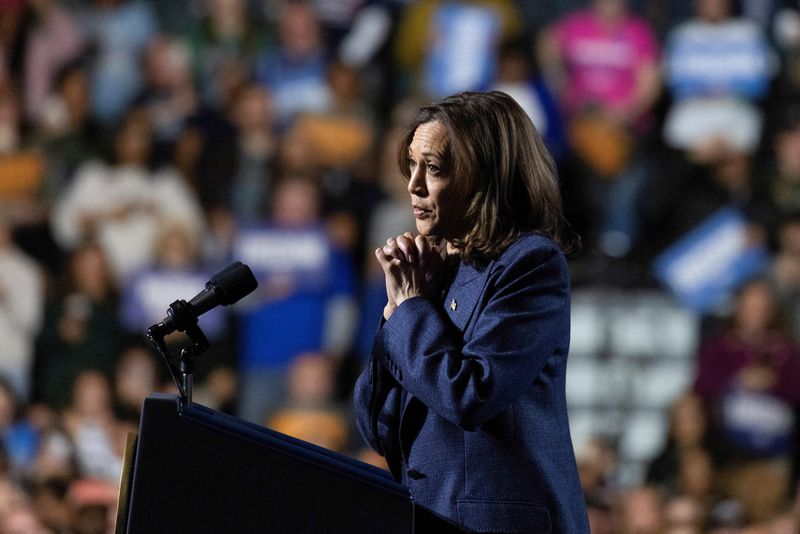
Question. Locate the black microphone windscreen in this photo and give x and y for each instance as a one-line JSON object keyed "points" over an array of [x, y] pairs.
{"points": [[232, 283]]}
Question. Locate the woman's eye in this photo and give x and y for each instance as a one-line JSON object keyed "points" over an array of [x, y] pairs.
{"points": [[412, 164], [433, 169]]}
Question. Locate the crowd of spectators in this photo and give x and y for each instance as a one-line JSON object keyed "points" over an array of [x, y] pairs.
{"points": [[145, 144]]}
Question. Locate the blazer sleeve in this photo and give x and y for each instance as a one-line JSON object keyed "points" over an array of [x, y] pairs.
{"points": [[377, 398], [522, 321], [364, 398]]}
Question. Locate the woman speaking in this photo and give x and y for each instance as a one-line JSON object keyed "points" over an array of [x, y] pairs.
{"points": [[464, 392]]}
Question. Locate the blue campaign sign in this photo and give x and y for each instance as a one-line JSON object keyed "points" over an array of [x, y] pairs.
{"points": [[304, 254], [463, 53], [706, 265], [708, 60]]}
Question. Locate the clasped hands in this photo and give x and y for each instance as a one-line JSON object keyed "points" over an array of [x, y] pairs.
{"points": [[410, 266]]}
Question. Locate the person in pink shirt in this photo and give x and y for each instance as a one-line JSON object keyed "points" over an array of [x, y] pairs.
{"points": [[604, 58], [54, 41], [604, 63]]}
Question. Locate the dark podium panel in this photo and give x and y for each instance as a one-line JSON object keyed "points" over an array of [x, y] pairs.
{"points": [[195, 470]]}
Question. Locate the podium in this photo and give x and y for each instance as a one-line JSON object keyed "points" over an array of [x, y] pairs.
{"points": [[194, 470]]}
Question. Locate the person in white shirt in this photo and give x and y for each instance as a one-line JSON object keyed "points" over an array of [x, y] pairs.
{"points": [[21, 308], [123, 205]]}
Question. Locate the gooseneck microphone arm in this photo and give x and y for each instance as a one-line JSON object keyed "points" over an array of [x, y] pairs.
{"points": [[224, 288], [183, 374]]}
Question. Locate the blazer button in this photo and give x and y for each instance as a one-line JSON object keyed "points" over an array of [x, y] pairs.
{"points": [[414, 474]]}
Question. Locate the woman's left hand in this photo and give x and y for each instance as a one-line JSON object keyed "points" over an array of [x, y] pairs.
{"points": [[409, 265]]}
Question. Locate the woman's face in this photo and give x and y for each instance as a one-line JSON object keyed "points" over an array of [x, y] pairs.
{"points": [[438, 199]]}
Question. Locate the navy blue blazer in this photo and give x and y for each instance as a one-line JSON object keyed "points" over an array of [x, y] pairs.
{"points": [[465, 398]]}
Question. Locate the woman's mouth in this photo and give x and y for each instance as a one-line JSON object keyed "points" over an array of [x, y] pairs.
{"points": [[419, 212]]}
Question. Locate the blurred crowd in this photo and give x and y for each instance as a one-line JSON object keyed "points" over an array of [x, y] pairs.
{"points": [[144, 145]]}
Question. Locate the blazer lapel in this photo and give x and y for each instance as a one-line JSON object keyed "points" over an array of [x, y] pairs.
{"points": [[459, 306], [462, 297]]}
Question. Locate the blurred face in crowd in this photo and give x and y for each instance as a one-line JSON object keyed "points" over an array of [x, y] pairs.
{"points": [[790, 239], [8, 406], [133, 142], [92, 519], [5, 233], [136, 376], [42, 5], [296, 203], [610, 10], [756, 307], [595, 462], [514, 67], [176, 248], [226, 8], [641, 511], [91, 394], [787, 152], [344, 82], [167, 63], [696, 474], [713, 10], [254, 111], [299, 29], [75, 92], [311, 380], [296, 153], [688, 421], [50, 504], [22, 520], [438, 199], [9, 121], [227, 15], [683, 515], [733, 172], [54, 457], [90, 273]]}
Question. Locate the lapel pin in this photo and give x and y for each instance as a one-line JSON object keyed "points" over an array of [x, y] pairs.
{"points": [[453, 305]]}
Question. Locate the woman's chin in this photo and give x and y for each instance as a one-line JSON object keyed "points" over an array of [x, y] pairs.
{"points": [[423, 228]]}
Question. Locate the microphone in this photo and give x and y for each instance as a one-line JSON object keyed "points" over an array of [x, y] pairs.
{"points": [[224, 288]]}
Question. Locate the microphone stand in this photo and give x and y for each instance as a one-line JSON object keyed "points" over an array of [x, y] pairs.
{"points": [[184, 320]]}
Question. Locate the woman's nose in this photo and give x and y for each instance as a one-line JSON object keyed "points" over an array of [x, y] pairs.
{"points": [[416, 182]]}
